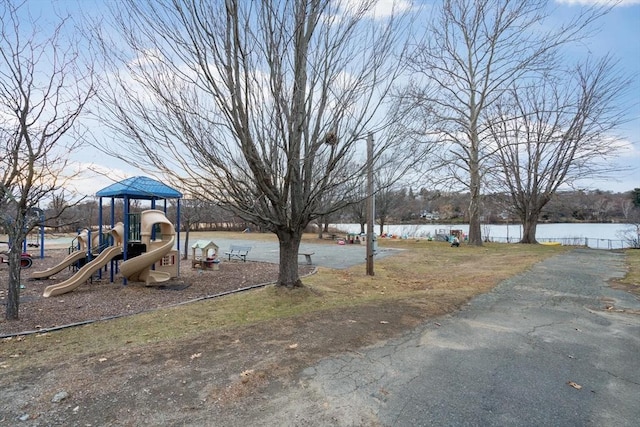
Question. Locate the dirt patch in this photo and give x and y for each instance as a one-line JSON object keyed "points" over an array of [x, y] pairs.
{"points": [[201, 380], [194, 381]]}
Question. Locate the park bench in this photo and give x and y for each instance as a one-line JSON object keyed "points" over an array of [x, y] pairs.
{"points": [[307, 256], [237, 251]]}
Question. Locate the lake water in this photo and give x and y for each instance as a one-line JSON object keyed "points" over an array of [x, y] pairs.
{"points": [[600, 236]]}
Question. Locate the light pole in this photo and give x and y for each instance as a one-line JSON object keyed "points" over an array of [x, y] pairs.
{"points": [[370, 205]]}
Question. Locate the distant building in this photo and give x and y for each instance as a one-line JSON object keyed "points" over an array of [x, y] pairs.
{"points": [[431, 216]]}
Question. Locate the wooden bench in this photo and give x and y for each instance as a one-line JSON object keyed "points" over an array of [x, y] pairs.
{"points": [[307, 255], [237, 251]]}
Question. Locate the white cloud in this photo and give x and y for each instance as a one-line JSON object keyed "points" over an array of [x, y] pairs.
{"points": [[381, 9], [92, 178]]}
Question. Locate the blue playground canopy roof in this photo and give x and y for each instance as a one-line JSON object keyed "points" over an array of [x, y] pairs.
{"points": [[140, 187]]}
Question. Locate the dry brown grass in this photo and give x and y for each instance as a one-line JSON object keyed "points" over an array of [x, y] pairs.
{"points": [[631, 281], [429, 270]]}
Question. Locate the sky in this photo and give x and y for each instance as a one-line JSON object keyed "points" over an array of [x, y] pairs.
{"points": [[619, 34]]}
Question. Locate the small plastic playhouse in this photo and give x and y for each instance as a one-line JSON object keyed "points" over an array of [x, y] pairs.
{"points": [[205, 255]]}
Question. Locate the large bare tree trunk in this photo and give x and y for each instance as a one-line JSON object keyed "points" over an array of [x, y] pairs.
{"points": [[288, 275], [187, 228], [13, 297], [475, 181], [475, 233], [323, 226], [529, 225]]}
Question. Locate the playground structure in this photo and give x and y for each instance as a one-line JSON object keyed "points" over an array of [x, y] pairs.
{"points": [[157, 263], [448, 235], [143, 188], [25, 259], [144, 242], [36, 240], [153, 262], [86, 271], [76, 254], [80, 251]]}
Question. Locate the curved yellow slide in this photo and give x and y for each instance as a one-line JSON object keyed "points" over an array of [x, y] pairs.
{"points": [[84, 273], [138, 269], [66, 262]]}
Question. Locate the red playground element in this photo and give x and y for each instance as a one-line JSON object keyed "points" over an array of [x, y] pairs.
{"points": [[25, 260]]}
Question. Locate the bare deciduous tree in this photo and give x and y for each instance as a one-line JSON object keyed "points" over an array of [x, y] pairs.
{"points": [[554, 132], [42, 93], [474, 51], [357, 212], [262, 107], [192, 213], [631, 234], [387, 197]]}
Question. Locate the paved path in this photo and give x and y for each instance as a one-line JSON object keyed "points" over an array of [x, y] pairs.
{"points": [[507, 359], [325, 255]]}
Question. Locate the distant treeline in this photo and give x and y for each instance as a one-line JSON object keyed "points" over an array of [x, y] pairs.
{"points": [[393, 206]]}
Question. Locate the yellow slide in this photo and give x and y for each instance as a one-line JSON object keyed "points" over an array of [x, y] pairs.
{"points": [[66, 262], [138, 269], [88, 269], [84, 273], [75, 256]]}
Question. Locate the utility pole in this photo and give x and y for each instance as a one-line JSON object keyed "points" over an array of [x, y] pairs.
{"points": [[370, 205]]}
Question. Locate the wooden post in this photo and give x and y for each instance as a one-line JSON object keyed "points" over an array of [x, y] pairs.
{"points": [[370, 205]]}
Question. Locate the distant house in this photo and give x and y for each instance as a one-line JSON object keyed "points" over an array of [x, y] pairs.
{"points": [[431, 216]]}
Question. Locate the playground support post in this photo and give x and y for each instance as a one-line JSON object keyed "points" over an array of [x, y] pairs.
{"points": [[40, 234]]}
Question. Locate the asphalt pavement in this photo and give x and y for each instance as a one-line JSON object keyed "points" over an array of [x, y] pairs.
{"points": [[552, 346], [325, 255]]}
